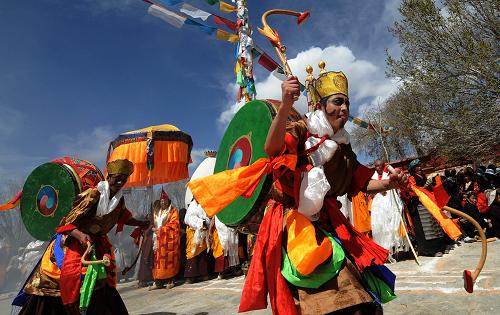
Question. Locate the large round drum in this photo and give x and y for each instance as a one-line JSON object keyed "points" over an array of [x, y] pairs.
{"points": [[242, 144], [49, 192]]}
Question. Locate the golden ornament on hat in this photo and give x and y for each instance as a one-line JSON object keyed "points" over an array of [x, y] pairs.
{"points": [[330, 82], [121, 166]]}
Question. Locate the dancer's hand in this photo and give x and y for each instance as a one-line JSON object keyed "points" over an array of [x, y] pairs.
{"points": [[399, 178], [80, 236], [290, 91]]}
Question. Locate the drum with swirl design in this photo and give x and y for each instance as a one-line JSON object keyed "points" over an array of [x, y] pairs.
{"points": [[242, 144], [49, 192]]}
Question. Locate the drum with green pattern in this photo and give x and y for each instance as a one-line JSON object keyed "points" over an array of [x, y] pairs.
{"points": [[242, 144], [48, 195]]}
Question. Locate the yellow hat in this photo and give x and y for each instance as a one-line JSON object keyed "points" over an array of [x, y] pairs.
{"points": [[124, 167], [331, 82]]}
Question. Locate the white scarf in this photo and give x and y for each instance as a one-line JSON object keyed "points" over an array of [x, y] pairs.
{"points": [[228, 238], [159, 219], [314, 184], [195, 215], [106, 205]]}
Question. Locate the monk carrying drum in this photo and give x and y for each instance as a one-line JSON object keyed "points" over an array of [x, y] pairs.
{"points": [[307, 255], [54, 287]]}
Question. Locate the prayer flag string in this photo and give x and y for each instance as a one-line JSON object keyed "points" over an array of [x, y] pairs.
{"points": [[246, 51]]}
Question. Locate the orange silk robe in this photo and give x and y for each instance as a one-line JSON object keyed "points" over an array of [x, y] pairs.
{"points": [[167, 253], [361, 215]]}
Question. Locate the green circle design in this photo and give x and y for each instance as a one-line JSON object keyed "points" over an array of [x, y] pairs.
{"points": [[49, 174]]}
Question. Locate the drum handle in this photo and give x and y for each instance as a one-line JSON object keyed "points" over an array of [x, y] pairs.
{"points": [[75, 175]]}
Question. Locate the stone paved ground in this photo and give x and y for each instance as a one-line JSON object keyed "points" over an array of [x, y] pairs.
{"points": [[435, 287]]}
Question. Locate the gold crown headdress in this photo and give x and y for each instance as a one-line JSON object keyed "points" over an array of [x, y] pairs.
{"points": [[124, 167], [327, 83]]}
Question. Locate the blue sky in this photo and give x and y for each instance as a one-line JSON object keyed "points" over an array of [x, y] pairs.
{"points": [[75, 74]]}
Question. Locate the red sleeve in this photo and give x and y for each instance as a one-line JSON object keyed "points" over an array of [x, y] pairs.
{"points": [[290, 143], [66, 228], [296, 133], [360, 179]]}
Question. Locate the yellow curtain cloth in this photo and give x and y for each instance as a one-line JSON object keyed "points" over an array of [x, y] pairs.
{"points": [[302, 247], [217, 191]]}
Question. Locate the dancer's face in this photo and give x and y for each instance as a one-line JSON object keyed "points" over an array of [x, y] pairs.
{"points": [[116, 182], [336, 109]]}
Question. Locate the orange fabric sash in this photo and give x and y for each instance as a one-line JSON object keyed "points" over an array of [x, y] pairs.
{"points": [[302, 247], [264, 275], [429, 202], [216, 191]]}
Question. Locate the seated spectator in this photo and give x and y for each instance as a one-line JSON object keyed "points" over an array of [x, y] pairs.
{"points": [[470, 208], [494, 213], [491, 176]]}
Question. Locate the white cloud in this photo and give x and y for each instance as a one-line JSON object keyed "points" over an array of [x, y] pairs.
{"points": [[230, 107], [91, 146], [383, 93], [367, 82], [197, 155]]}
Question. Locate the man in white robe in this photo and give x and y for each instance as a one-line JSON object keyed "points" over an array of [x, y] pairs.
{"points": [[386, 209]]}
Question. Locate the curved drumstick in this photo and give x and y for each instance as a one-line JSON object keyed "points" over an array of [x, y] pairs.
{"points": [[104, 261], [273, 36]]}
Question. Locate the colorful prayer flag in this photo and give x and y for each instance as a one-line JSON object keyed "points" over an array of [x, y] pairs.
{"points": [[237, 67], [256, 53], [267, 62], [279, 73], [170, 17], [226, 7], [223, 35], [205, 28], [223, 21], [194, 12]]}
